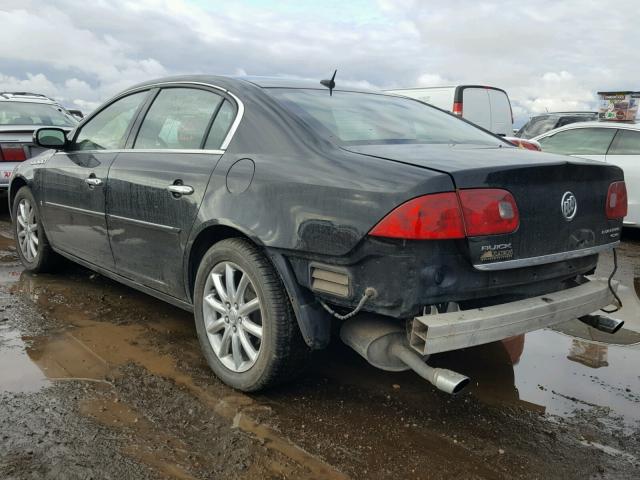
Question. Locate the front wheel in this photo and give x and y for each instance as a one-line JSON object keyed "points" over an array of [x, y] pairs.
{"points": [[245, 323], [33, 247]]}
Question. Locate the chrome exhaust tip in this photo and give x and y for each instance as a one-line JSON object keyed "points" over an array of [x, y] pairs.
{"points": [[603, 323], [443, 379], [382, 343], [449, 381]]}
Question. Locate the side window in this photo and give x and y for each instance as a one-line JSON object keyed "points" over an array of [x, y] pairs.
{"points": [[220, 126], [178, 118], [627, 142], [581, 141], [107, 129]]}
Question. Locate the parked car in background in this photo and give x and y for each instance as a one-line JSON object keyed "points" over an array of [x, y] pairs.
{"points": [[272, 208], [487, 107], [549, 121], [77, 114], [523, 143], [21, 113], [616, 143]]}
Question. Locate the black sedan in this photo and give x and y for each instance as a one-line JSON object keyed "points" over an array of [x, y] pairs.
{"points": [[275, 208]]}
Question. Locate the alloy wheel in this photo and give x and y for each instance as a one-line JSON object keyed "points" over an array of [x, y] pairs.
{"points": [[27, 229], [232, 315]]}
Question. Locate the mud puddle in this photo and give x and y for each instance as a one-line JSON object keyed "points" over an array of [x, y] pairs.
{"points": [[95, 345], [18, 373], [124, 371]]}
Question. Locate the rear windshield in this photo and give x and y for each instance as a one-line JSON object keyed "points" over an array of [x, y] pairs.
{"points": [[354, 118], [26, 113]]}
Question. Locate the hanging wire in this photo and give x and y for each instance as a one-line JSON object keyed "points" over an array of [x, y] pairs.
{"points": [[615, 295]]}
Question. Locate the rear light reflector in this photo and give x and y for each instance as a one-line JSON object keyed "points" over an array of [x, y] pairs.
{"points": [[451, 215], [431, 217], [616, 207], [457, 108], [489, 211], [12, 153]]}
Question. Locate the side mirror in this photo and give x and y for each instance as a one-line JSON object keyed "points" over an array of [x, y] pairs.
{"points": [[50, 138]]}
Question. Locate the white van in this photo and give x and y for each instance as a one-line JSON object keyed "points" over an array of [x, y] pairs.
{"points": [[488, 107]]}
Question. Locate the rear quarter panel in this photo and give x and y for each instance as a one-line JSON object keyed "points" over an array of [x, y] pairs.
{"points": [[305, 193]]}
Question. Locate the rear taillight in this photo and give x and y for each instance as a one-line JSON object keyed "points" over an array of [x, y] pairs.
{"points": [[616, 207], [451, 215], [457, 108], [489, 211], [12, 153], [431, 217]]}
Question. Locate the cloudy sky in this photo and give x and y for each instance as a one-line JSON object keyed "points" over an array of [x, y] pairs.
{"points": [[547, 54]]}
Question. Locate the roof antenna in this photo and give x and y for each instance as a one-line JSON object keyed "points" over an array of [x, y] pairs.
{"points": [[330, 84]]}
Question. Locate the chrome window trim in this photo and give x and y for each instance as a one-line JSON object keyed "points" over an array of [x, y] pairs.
{"points": [[225, 144], [157, 226], [239, 104], [543, 259]]}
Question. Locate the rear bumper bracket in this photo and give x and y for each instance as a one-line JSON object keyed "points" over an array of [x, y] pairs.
{"points": [[454, 330]]}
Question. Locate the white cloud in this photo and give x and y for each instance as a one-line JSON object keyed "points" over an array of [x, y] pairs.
{"points": [[555, 91], [432, 80], [548, 55]]}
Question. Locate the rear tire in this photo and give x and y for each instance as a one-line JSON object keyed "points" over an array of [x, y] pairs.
{"points": [[33, 246], [246, 326]]}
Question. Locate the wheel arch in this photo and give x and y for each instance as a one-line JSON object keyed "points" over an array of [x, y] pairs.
{"points": [[16, 184], [203, 240], [313, 321]]}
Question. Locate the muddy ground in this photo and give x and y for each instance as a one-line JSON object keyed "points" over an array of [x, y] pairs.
{"points": [[100, 381]]}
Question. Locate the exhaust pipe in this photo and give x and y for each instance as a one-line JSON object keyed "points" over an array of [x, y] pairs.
{"points": [[603, 323], [382, 343]]}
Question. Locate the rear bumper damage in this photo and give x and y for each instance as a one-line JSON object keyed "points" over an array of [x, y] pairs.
{"points": [[443, 332], [411, 275], [383, 342]]}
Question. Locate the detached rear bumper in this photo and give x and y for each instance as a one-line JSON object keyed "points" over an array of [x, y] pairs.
{"points": [[454, 330]]}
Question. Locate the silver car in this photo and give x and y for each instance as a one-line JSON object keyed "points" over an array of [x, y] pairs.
{"points": [[21, 113]]}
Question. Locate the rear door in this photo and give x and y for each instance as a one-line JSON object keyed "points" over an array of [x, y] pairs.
{"points": [[588, 142], [625, 153], [156, 185], [476, 107], [74, 182], [501, 120]]}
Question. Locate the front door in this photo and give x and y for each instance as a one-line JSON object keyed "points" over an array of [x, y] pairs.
{"points": [[156, 186], [75, 182]]}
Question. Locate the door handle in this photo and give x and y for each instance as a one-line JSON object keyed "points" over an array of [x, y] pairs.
{"points": [[180, 189], [93, 181]]}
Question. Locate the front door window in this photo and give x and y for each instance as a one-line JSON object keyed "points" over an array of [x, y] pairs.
{"points": [[107, 130]]}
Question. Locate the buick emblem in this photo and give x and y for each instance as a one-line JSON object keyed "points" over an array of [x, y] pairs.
{"points": [[569, 206]]}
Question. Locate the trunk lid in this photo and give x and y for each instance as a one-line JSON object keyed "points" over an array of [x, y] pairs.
{"points": [[540, 184]]}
